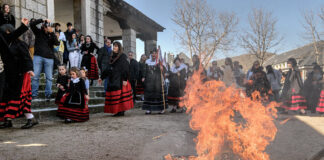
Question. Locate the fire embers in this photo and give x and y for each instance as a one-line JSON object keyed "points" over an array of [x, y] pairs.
{"points": [[228, 121]]}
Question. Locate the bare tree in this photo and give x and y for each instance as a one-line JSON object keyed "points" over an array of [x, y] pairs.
{"points": [[261, 35], [311, 32], [203, 32]]}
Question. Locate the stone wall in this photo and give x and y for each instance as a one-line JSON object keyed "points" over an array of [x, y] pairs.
{"points": [[96, 22]]}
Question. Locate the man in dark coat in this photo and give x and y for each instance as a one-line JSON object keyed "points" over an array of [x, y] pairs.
{"points": [[104, 54], [134, 71], [45, 40]]}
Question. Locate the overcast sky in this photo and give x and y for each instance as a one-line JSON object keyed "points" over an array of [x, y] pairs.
{"points": [[287, 12]]}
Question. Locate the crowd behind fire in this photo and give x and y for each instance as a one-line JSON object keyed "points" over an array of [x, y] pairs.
{"points": [[40, 46]]}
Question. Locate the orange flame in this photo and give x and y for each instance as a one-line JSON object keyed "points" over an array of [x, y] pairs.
{"points": [[228, 120]]}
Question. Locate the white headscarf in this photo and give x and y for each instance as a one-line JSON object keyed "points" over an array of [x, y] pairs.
{"points": [[150, 61]]}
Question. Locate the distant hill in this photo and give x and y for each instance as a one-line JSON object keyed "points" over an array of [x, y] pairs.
{"points": [[246, 60]]}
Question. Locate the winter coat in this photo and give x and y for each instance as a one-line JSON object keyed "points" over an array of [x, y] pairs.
{"points": [[17, 63], [293, 84], [29, 38], [274, 80], [89, 47], [104, 54], [117, 72], [133, 69], [7, 19]]}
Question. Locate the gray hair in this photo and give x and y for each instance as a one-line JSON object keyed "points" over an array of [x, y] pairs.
{"points": [[7, 27]]}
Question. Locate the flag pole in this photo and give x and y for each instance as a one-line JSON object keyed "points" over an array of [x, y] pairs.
{"points": [[162, 81]]}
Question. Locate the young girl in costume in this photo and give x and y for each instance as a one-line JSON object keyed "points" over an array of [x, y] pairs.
{"points": [[73, 106]]}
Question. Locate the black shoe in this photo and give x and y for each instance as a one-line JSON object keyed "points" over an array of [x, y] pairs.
{"points": [[117, 114], [30, 123], [6, 124], [122, 113], [48, 99], [68, 121]]}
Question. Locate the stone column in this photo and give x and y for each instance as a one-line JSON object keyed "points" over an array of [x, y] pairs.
{"points": [[50, 10], [77, 14], [149, 46], [85, 17], [129, 40]]}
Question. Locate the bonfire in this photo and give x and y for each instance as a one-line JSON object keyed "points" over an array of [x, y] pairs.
{"points": [[227, 121]]}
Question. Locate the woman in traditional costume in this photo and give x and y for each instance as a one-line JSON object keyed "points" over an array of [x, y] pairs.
{"points": [[154, 91], [119, 96]]}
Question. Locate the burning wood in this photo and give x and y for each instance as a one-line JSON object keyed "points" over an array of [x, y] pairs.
{"points": [[285, 121], [227, 121]]}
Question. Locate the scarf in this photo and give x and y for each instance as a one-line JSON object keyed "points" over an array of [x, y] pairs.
{"points": [[114, 57], [108, 49], [175, 69]]}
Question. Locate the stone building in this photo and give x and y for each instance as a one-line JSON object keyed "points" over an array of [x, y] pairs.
{"points": [[98, 18], [181, 55], [305, 57]]}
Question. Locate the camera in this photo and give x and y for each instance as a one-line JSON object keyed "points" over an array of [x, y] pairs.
{"points": [[48, 24]]}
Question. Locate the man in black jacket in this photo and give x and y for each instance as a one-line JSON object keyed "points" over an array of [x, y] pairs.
{"points": [[104, 54], [45, 40], [134, 71]]}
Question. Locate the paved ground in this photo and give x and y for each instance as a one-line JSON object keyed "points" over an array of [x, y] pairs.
{"points": [[140, 137]]}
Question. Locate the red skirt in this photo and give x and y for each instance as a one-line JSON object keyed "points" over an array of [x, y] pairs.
{"points": [[320, 106], [76, 114], [93, 71], [16, 108], [139, 88], [295, 103], [120, 100]]}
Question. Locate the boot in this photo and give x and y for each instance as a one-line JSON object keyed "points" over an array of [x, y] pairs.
{"points": [[6, 124], [30, 123], [68, 120]]}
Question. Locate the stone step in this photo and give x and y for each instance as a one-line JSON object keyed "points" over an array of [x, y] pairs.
{"points": [[41, 103], [40, 113], [93, 94]]}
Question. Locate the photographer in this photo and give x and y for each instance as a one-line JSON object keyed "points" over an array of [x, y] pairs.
{"points": [[45, 40]]}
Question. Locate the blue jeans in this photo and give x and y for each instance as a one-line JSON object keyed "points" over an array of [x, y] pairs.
{"points": [[106, 84], [39, 63]]}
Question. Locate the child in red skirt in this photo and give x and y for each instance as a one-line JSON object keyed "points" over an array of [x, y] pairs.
{"points": [[73, 106]]}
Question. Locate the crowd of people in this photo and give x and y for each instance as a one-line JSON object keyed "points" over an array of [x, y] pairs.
{"points": [[39, 46]]}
